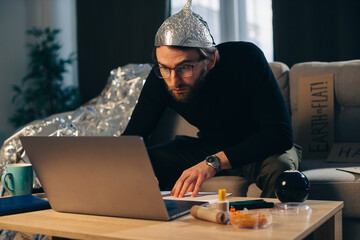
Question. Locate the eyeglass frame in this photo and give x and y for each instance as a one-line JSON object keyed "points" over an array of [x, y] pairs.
{"points": [[157, 69]]}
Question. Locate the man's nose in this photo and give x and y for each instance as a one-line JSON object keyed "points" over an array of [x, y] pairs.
{"points": [[174, 78]]}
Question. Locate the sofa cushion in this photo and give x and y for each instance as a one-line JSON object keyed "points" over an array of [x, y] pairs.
{"points": [[347, 97], [332, 184], [281, 73], [253, 191], [233, 184], [331, 175]]}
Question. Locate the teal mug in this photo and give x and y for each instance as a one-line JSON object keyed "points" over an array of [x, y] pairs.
{"points": [[18, 179]]}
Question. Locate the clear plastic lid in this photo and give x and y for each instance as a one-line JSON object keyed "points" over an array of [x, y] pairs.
{"points": [[292, 208]]}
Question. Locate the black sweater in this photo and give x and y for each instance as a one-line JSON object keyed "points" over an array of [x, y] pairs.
{"points": [[239, 109]]}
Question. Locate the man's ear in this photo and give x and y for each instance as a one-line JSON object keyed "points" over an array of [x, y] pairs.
{"points": [[212, 61]]}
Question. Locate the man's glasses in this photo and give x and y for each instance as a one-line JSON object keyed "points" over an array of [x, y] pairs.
{"points": [[180, 71]]}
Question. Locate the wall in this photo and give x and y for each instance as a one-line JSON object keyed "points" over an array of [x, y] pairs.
{"points": [[114, 33], [13, 59], [16, 16], [316, 30]]}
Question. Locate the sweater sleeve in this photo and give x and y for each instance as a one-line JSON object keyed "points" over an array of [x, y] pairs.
{"points": [[149, 108], [270, 114]]}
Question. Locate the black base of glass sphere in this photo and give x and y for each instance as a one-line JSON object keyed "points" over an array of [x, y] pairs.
{"points": [[292, 186]]}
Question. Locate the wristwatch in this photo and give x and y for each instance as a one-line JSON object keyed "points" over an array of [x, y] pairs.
{"points": [[214, 162]]}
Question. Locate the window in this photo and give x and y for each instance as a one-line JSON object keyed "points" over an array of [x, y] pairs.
{"points": [[235, 20], [208, 9]]}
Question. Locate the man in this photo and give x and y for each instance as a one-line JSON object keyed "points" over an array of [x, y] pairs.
{"points": [[229, 93]]}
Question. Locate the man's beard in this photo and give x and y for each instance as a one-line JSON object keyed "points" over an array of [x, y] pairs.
{"points": [[192, 89]]}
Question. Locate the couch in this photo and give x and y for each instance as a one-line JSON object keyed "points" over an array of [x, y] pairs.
{"points": [[327, 183]]}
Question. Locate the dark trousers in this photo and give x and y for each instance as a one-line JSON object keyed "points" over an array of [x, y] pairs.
{"points": [[170, 159]]}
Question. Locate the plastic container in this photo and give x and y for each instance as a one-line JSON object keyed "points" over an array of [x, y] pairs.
{"points": [[250, 218]]}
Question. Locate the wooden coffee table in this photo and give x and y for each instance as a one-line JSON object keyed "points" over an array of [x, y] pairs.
{"points": [[325, 222]]}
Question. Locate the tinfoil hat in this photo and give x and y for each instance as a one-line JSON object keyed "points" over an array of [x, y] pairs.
{"points": [[184, 29]]}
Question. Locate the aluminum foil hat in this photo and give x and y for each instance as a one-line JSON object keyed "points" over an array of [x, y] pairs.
{"points": [[185, 29]]}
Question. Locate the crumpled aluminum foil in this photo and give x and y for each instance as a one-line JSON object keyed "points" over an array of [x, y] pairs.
{"points": [[106, 115], [186, 29]]}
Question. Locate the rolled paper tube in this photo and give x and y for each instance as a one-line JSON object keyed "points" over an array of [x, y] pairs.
{"points": [[210, 214]]}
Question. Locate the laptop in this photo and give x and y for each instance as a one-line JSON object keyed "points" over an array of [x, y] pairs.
{"points": [[109, 176]]}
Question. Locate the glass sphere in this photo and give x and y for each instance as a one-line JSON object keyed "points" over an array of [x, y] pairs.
{"points": [[292, 186]]}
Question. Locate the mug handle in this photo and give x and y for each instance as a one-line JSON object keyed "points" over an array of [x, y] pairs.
{"points": [[5, 183]]}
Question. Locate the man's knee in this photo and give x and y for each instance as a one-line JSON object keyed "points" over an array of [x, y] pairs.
{"points": [[286, 161], [272, 167]]}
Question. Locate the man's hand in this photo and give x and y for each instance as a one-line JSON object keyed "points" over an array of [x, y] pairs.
{"points": [[191, 179]]}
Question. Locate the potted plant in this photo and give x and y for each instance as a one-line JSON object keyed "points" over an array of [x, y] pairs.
{"points": [[42, 92]]}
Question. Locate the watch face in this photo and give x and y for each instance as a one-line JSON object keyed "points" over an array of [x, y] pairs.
{"points": [[214, 162], [211, 159]]}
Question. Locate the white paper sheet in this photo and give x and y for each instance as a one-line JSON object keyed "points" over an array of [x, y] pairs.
{"points": [[350, 169], [210, 197]]}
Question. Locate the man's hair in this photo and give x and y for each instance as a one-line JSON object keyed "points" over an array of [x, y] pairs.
{"points": [[205, 53]]}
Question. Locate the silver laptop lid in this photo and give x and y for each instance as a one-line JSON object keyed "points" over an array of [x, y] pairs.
{"points": [[99, 175]]}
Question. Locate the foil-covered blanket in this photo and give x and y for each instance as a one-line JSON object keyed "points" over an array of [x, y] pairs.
{"points": [[106, 115]]}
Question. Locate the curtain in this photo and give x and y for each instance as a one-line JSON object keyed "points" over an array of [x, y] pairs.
{"points": [[113, 33], [322, 30], [248, 20], [236, 20]]}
